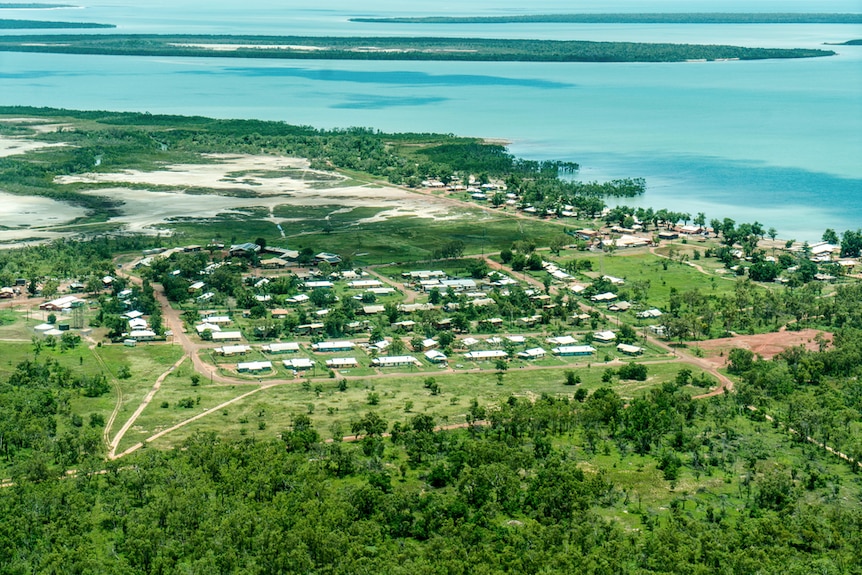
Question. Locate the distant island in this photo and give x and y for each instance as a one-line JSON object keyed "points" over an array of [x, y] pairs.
{"points": [[641, 18], [33, 6], [42, 25], [370, 48]]}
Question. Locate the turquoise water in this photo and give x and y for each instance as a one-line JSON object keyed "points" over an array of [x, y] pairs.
{"points": [[776, 141]]}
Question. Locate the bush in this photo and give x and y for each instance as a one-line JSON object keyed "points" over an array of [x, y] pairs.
{"points": [[635, 371], [186, 403]]}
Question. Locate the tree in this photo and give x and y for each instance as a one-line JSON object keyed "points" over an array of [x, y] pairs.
{"points": [[572, 378], [739, 360], [830, 237]]}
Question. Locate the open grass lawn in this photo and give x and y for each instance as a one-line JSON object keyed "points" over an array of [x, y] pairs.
{"points": [[145, 363], [662, 274]]}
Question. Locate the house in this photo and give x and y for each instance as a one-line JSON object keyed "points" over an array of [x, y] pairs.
{"points": [[341, 362], [573, 350], [142, 335], [517, 339], [133, 314], [562, 340], [309, 328], [435, 356], [331, 346], [604, 336], [245, 249], [406, 325], [287, 347], [620, 306], [485, 355], [364, 284], [649, 313], [299, 298], [7, 292], [429, 344], [532, 353], [629, 349], [62, 303], [274, 263], [280, 313], [494, 322], [607, 296], [614, 280], [332, 259], [196, 287], [381, 290], [228, 350], [253, 366], [227, 336], [298, 363], [200, 328], [469, 341], [373, 309], [459, 284], [319, 284], [668, 235], [217, 319], [138, 323], [395, 361]]}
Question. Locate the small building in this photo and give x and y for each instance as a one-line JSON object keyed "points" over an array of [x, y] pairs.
{"points": [[364, 284], [486, 354], [279, 313], [406, 325], [562, 340], [62, 303], [607, 296], [341, 362], [532, 353], [227, 336], [373, 309], [196, 286], [629, 349], [309, 328], [435, 356], [254, 366], [298, 363], [573, 350], [327, 257], [7, 293], [229, 350], [620, 306], [395, 361], [668, 235], [319, 284], [649, 313], [604, 336], [332, 346], [286, 347], [298, 298], [218, 319], [245, 249], [202, 327], [142, 335]]}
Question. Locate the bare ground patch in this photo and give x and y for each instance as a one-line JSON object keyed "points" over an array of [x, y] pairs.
{"points": [[766, 345]]}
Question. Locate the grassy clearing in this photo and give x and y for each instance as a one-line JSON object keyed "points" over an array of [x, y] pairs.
{"points": [[332, 409]]}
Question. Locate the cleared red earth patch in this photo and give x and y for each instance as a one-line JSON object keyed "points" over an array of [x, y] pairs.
{"points": [[765, 345]]}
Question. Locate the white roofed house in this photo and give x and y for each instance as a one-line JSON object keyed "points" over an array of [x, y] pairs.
{"points": [[229, 350], [573, 350], [487, 354], [395, 361], [286, 347], [227, 336], [254, 366], [629, 349], [604, 336], [341, 362], [298, 363], [532, 353], [435, 356], [331, 346]]}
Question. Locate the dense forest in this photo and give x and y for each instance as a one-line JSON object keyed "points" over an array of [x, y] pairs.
{"points": [[555, 485], [384, 48], [634, 18]]}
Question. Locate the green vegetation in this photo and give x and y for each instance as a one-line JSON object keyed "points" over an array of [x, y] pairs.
{"points": [[47, 25], [634, 18], [383, 48]]}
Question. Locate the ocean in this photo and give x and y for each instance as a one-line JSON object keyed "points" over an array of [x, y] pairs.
{"points": [[776, 141]]}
